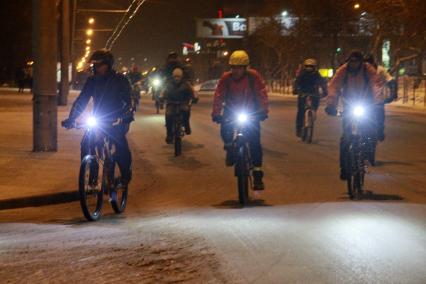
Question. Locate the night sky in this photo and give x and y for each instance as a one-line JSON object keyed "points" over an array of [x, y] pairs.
{"points": [[159, 27]]}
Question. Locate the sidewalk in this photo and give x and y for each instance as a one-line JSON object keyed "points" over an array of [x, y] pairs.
{"points": [[28, 178]]}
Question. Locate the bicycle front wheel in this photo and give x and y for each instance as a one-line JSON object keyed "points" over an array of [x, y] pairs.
{"points": [[242, 172], [309, 127], [355, 172], [91, 188]]}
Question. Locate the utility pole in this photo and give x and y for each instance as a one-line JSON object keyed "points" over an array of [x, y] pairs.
{"points": [[65, 52], [44, 45], [73, 57]]}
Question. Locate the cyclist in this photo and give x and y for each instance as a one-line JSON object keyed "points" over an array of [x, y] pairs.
{"points": [[135, 78], [308, 82], [242, 87], [178, 93], [385, 80], [134, 75], [354, 80], [111, 94]]}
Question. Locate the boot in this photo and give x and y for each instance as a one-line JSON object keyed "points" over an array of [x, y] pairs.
{"points": [[187, 128], [343, 174], [257, 180], [169, 139]]}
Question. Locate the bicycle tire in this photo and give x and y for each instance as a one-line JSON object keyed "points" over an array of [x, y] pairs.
{"points": [[118, 196], [90, 163], [242, 173], [309, 127], [355, 172]]}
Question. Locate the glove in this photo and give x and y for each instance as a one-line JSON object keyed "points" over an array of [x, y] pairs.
{"points": [[128, 118], [388, 100], [262, 116], [331, 110], [68, 123], [217, 118]]}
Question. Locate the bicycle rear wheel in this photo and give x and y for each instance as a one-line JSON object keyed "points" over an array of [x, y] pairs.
{"points": [[119, 191], [91, 188]]}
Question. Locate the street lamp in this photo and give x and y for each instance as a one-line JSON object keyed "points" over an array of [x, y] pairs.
{"points": [[91, 21], [284, 13], [89, 41], [357, 6], [87, 48], [89, 32]]}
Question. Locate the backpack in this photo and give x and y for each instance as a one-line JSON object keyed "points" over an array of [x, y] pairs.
{"points": [[366, 80], [251, 81]]}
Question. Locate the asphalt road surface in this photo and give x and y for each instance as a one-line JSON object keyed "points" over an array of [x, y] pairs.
{"points": [[183, 224]]}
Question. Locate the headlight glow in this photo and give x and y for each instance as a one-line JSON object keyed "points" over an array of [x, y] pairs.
{"points": [[358, 111], [242, 117], [156, 82], [91, 121]]}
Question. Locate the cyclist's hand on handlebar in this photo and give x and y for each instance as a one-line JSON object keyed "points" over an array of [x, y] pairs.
{"points": [[262, 116], [331, 110], [68, 123], [217, 118]]}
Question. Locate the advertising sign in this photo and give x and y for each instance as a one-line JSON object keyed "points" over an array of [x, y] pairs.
{"points": [[221, 28]]}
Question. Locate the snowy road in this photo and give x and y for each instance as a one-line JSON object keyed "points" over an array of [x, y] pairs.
{"points": [[182, 222]]}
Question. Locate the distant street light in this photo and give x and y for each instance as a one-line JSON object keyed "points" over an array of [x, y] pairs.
{"points": [[284, 13], [89, 32], [87, 48], [89, 41], [225, 53], [91, 21], [357, 6]]}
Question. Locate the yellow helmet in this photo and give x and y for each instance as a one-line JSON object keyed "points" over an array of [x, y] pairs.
{"points": [[239, 58]]}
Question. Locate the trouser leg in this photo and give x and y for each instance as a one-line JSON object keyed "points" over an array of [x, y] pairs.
{"points": [[380, 118], [169, 126], [255, 145], [186, 121], [124, 158]]}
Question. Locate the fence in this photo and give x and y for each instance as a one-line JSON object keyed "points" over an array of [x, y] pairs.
{"points": [[412, 91]]}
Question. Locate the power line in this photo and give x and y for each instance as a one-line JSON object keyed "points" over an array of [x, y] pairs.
{"points": [[119, 30], [119, 24]]}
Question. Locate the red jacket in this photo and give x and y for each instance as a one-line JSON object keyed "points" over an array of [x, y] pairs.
{"points": [[355, 85], [238, 93]]}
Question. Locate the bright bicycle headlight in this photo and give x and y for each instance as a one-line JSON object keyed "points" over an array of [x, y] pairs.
{"points": [[358, 111], [91, 121], [156, 82], [242, 117]]}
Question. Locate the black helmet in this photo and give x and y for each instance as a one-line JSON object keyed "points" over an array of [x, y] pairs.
{"points": [[102, 56], [172, 55], [371, 59], [357, 55]]}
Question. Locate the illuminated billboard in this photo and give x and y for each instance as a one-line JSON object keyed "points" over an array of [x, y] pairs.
{"points": [[221, 28]]}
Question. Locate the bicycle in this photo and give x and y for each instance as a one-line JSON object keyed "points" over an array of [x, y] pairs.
{"points": [[361, 147], [308, 118], [99, 172], [243, 166]]}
